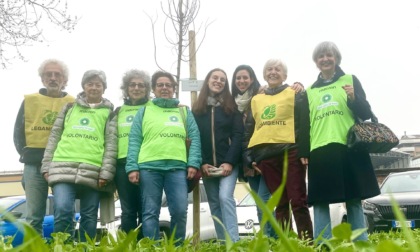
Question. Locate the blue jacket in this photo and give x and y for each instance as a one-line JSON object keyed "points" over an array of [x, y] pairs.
{"points": [[136, 138]]}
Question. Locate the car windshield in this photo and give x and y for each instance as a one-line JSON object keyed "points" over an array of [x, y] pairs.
{"points": [[8, 202], [247, 201], [402, 183]]}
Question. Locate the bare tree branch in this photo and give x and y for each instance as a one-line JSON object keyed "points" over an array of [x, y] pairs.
{"points": [[179, 19], [153, 22], [20, 22]]}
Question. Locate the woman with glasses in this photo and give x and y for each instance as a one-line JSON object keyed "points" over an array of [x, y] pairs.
{"points": [[158, 158], [136, 91]]}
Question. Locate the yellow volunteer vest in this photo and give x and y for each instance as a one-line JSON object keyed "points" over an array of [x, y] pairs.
{"points": [[40, 114], [274, 118]]}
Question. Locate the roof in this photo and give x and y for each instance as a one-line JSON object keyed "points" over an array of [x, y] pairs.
{"points": [[385, 159]]}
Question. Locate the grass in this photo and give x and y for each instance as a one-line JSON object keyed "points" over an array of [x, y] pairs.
{"points": [[393, 241], [404, 239]]}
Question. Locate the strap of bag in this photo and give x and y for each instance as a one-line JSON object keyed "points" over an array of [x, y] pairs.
{"points": [[373, 117], [213, 141], [181, 111]]}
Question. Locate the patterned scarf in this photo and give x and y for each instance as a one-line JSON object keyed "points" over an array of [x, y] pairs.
{"points": [[243, 100], [215, 102]]}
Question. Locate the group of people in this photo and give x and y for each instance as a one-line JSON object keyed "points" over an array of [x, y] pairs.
{"points": [[84, 148]]}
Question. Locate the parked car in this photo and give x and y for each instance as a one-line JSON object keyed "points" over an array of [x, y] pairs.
{"points": [[16, 206], [248, 219], [404, 187], [207, 231]]}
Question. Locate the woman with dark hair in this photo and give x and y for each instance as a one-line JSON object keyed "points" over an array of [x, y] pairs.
{"points": [[221, 131], [135, 88], [337, 174]]}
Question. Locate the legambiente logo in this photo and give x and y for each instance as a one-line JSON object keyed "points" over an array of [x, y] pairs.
{"points": [[173, 121], [269, 112], [49, 117], [129, 119], [327, 102], [84, 122]]}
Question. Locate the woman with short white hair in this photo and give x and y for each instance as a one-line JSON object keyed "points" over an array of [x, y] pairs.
{"points": [[335, 173]]}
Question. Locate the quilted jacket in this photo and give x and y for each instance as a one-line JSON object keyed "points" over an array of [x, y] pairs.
{"points": [[82, 173]]}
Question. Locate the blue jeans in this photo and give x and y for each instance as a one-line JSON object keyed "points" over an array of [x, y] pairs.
{"points": [[65, 195], [36, 191], [259, 186], [130, 198], [355, 217], [222, 204], [174, 183]]}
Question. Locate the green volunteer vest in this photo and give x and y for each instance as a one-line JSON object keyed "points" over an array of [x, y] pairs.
{"points": [[330, 116], [274, 117], [126, 115], [40, 114], [163, 135], [82, 139]]}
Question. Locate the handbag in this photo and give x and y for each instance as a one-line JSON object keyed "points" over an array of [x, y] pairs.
{"points": [[215, 171], [192, 183], [371, 137]]}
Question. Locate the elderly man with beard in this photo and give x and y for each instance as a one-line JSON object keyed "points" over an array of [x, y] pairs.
{"points": [[33, 124]]}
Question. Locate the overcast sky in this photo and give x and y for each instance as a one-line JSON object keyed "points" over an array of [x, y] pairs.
{"points": [[379, 42]]}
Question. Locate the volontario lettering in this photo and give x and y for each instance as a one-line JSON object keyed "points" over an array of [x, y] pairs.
{"points": [[329, 113], [84, 136]]}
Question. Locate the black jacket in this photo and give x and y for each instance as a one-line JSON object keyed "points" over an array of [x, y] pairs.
{"points": [[228, 132]]}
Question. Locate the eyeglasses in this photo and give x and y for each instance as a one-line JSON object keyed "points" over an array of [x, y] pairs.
{"points": [[52, 74], [167, 85], [139, 85]]}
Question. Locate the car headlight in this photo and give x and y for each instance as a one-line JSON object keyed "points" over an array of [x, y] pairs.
{"points": [[369, 206]]}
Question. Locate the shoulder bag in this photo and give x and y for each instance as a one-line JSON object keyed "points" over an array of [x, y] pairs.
{"points": [[372, 137]]}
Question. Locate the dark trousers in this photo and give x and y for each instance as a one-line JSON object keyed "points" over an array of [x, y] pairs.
{"points": [[294, 192], [130, 198]]}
